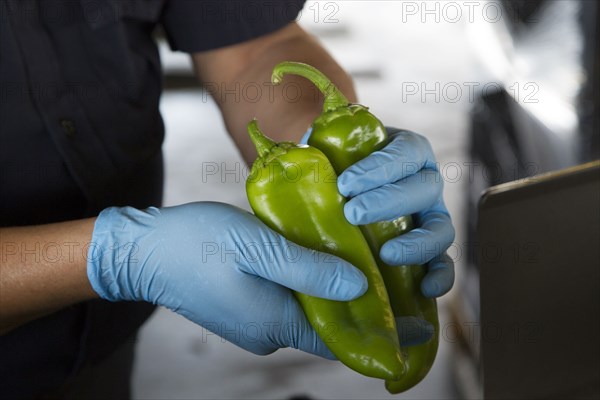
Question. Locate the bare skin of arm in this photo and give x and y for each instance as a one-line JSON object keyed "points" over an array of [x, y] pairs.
{"points": [[43, 268], [284, 112]]}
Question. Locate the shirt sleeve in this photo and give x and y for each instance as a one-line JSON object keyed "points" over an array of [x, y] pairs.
{"points": [[200, 25]]}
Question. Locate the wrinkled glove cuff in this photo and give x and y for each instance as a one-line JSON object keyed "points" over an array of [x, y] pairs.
{"points": [[114, 260]]}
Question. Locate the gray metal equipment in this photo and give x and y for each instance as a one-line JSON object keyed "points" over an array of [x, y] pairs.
{"points": [[539, 260]]}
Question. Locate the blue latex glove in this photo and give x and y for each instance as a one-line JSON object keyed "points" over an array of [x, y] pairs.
{"points": [[403, 179], [306, 136], [220, 267]]}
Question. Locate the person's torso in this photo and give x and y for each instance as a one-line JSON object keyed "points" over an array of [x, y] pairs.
{"points": [[80, 130]]}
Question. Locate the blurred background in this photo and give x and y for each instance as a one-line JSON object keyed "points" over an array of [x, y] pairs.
{"points": [[503, 90]]}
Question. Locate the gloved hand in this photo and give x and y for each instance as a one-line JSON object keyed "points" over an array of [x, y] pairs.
{"points": [[220, 267], [403, 179]]}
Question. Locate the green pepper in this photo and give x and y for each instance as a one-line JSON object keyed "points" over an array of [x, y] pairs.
{"points": [[347, 133], [292, 189]]}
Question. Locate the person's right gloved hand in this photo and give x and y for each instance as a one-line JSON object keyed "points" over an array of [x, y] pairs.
{"points": [[403, 178], [220, 267]]}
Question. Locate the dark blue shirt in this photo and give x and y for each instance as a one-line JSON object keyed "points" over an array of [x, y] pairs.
{"points": [[80, 131]]}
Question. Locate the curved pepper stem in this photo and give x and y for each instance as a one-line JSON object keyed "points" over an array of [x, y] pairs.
{"points": [[263, 144], [333, 97]]}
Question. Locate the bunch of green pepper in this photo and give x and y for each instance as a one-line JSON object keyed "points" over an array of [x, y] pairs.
{"points": [[367, 339], [290, 188]]}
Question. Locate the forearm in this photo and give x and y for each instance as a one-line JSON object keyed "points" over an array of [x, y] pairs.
{"points": [[288, 109], [284, 112], [43, 269]]}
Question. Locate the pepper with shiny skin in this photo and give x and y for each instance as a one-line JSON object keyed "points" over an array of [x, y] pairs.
{"points": [[292, 189], [347, 133]]}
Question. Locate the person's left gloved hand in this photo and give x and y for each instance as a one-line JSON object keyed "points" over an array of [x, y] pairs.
{"points": [[403, 179]]}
